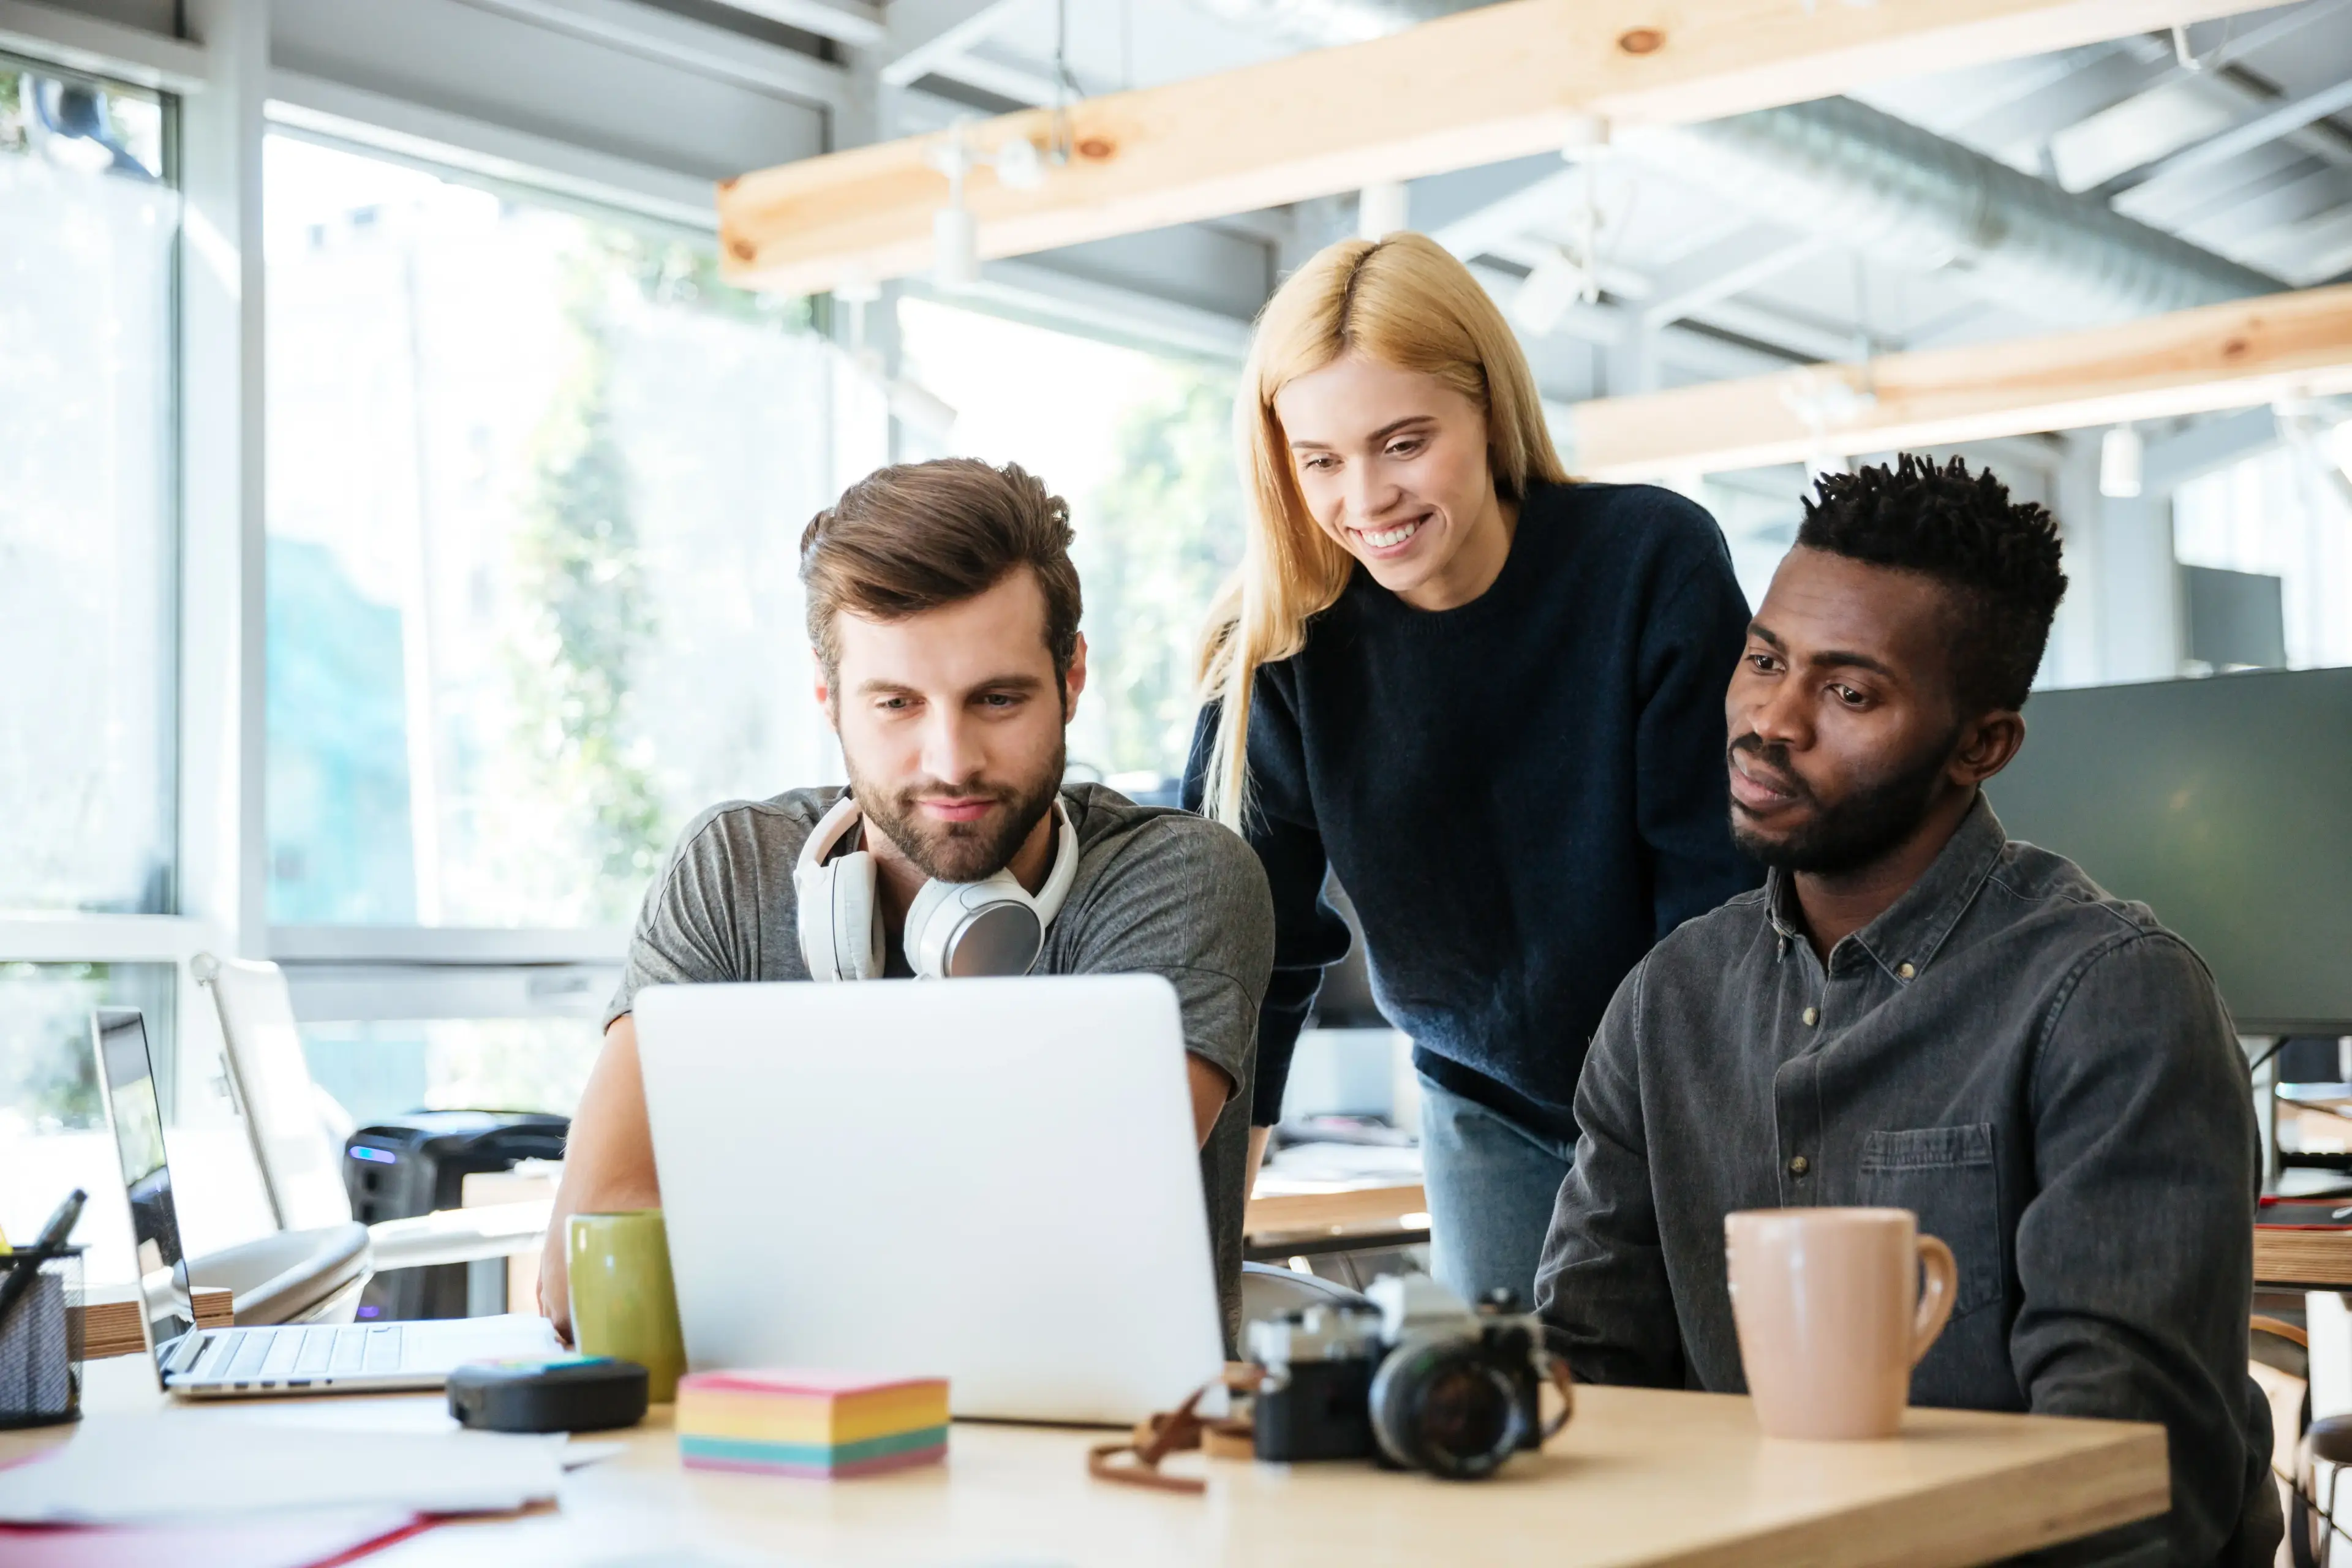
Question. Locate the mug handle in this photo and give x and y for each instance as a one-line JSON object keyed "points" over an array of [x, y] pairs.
{"points": [[1943, 1273]]}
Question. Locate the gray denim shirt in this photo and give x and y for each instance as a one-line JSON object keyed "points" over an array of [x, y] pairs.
{"points": [[2044, 1074]]}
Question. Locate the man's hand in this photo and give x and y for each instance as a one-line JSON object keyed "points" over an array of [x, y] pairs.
{"points": [[608, 1163]]}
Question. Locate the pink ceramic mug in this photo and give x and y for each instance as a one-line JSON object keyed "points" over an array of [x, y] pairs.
{"points": [[1831, 1316]]}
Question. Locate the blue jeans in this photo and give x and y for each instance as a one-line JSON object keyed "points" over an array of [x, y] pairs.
{"points": [[1492, 1185]]}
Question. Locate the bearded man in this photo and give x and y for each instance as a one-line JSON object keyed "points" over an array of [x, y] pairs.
{"points": [[943, 610], [1917, 1012]]}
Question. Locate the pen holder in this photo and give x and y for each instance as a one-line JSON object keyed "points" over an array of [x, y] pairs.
{"points": [[40, 1343]]}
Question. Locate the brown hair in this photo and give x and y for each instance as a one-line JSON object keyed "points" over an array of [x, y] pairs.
{"points": [[915, 536]]}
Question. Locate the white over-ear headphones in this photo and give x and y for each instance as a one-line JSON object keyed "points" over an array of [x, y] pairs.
{"points": [[953, 929]]}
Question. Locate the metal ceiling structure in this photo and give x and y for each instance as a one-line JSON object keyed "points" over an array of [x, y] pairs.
{"points": [[2102, 182], [2115, 180]]}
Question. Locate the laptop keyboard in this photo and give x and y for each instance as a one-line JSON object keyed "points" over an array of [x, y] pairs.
{"points": [[299, 1351]]}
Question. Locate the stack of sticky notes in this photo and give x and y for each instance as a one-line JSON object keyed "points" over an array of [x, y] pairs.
{"points": [[820, 1424]]}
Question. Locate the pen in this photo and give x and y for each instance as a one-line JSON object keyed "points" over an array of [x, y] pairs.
{"points": [[53, 1236]]}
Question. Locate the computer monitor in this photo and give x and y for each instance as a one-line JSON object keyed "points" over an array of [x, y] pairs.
{"points": [[2225, 806], [127, 1074]]}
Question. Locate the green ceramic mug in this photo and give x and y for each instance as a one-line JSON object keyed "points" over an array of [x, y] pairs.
{"points": [[623, 1303]]}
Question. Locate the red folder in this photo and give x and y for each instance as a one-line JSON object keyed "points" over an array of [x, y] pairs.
{"points": [[324, 1539]]}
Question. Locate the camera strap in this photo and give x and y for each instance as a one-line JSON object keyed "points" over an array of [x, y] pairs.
{"points": [[1135, 1462]]}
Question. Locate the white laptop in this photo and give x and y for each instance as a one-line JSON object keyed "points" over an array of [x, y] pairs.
{"points": [[992, 1181], [298, 1358]]}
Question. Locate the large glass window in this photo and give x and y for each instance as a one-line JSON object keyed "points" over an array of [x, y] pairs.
{"points": [[2268, 545], [536, 487], [383, 1068], [89, 222], [1141, 447]]}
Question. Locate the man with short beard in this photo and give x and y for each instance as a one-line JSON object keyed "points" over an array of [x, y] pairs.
{"points": [[1917, 1011], [943, 610]]}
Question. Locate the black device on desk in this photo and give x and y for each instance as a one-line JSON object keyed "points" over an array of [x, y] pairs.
{"points": [[553, 1394], [396, 1170]]}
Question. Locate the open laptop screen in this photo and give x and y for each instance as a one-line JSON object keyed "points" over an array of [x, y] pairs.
{"points": [[128, 1076]]}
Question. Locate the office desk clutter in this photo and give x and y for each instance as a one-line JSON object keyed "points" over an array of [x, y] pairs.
{"points": [[41, 1323], [123, 1469], [822, 1424]]}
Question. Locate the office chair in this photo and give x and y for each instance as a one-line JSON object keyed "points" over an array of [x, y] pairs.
{"points": [[1269, 1291], [291, 1277], [302, 1164]]}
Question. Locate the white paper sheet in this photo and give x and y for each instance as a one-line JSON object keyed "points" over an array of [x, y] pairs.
{"points": [[122, 1469]]}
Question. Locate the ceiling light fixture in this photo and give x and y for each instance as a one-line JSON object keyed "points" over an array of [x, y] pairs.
{"points": [[2337, 444], [1567, 275], [955, 230], [1558, 282], [910, 403], [1382, 208], [955, 233], [2121, 452]]}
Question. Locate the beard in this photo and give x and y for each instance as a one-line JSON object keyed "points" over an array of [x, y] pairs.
{"points": [[1878, 815], [960, 851]]}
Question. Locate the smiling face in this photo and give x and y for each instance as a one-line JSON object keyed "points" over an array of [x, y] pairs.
{"points": [[1846, 731], [1393, 465], [951, 721]]}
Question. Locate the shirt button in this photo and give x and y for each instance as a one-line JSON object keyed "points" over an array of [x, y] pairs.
{"points": [[1906, 971], [1812, 1015], [1799, 1167]]}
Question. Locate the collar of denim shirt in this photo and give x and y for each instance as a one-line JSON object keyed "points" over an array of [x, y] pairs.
{"points": [[1909, 932]]}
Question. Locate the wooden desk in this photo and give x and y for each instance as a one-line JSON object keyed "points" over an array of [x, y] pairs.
{"points": [[1336, 1208], [1333, 1217], [111, 1325], [1641, 1477], [2291, 1259]]}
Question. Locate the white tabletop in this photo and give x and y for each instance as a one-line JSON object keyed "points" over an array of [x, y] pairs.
{"points": [[1641, 1477]]}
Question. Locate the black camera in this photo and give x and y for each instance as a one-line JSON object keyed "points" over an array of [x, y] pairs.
{"points": [[1422, 1382]]}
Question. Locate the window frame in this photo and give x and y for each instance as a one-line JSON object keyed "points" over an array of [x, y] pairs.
{"points": [[223, 97], [578, 181], [108, 55]]}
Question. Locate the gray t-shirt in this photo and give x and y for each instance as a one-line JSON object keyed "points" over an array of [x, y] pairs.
{"points": [[1158, 892]]}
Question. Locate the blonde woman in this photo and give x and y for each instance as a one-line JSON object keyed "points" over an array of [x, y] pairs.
{"points": [[1490, 699]]}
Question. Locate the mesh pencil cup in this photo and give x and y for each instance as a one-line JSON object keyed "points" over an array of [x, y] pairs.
{"points": [[41, 1342]]}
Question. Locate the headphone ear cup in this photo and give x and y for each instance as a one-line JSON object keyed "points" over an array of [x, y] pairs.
{"points": [[856, 933], [930, 925], [813, 895], [988, 927]]}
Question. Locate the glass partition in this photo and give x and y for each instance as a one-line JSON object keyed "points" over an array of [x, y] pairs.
{"points": [[89, 229], [536, 487]]}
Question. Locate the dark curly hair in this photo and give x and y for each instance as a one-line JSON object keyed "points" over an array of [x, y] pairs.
{"points": [[1999, 558]]}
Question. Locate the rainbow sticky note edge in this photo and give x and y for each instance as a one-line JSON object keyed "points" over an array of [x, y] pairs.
{"points": [[820, 1425]]}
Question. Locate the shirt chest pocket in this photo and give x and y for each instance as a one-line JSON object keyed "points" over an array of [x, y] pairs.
{"points": [[1946, 1175]]}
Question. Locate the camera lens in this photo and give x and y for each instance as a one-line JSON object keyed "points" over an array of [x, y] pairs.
{"points": [[1446, 1409]]}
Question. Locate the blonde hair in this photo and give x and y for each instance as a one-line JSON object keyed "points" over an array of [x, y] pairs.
{"points": [[1405, 302]]}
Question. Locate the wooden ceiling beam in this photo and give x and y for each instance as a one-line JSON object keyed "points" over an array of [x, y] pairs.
{"points": [[1502, 81], [2249, 351]]}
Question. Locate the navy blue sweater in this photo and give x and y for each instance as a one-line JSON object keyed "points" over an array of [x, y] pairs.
{"points": [[1520, 795]]}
